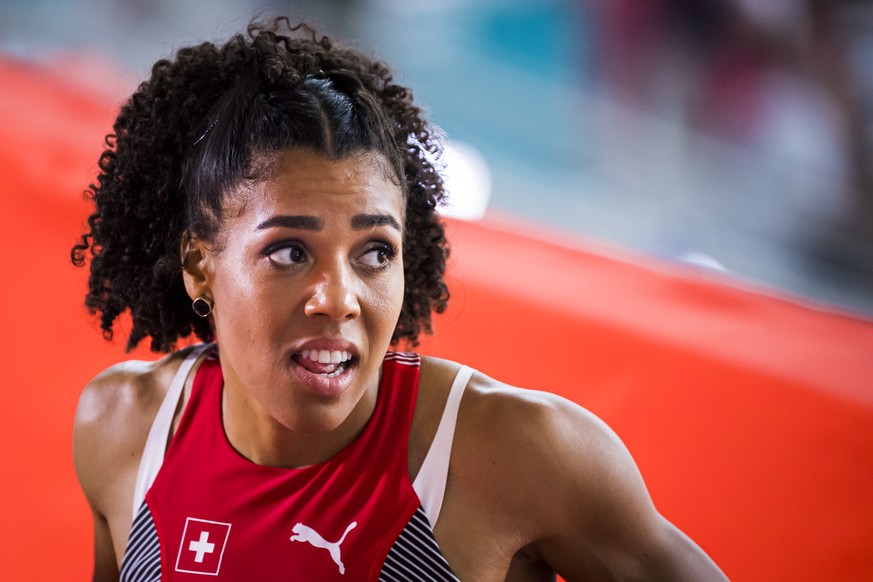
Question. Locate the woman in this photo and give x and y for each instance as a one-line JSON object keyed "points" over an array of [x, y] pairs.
{"points": [[275, 196]]}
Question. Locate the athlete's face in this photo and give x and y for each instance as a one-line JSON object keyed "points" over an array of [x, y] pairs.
{"points": [[308, 285]]}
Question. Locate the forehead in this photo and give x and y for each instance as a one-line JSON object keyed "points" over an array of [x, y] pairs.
{"points": [[306, 180]]}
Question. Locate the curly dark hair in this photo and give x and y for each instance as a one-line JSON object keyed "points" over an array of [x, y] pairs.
{"points": [[199, 126]]}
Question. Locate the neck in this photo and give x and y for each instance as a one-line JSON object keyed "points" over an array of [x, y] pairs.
{"points": [[264, 440]]}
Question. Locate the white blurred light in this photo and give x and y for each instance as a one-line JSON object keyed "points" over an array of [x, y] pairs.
{"points": [[467, 180], [783, 16], [701, 260]]}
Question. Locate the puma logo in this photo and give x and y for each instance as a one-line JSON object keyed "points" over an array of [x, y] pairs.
{"points": [[304, 533]]}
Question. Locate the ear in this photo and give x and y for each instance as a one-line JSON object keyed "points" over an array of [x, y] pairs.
{"points": [[196, 258]]}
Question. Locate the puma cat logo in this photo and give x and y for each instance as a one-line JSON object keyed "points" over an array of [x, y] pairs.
{"points": [[304, 533]]}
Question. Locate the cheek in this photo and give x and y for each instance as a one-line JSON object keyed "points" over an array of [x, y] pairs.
{"points": [[243, 305], [383, 299], [393, 298]]}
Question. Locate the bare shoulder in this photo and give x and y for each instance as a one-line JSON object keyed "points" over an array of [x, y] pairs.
{"points": [[551, 444], [561, 479], [531, 439], [112, 421]]}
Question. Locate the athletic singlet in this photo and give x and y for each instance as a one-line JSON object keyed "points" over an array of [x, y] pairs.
{"points": [[209, 511]]}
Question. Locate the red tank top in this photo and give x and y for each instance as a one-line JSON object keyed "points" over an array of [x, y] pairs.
{"points": [[218, 513]]}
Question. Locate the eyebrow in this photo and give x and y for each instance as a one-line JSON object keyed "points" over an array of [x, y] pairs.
{"points": [[298, 222], [302, 222], [365, 221]]}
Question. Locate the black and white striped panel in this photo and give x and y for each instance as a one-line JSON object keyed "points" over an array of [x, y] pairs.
{"points": [[142, 556], [415, 555]]}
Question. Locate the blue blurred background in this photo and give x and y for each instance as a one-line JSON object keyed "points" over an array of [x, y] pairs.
{"points": [[727, 134]]}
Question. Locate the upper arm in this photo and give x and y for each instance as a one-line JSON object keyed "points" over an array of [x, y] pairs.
{"points": [[593, 515], [105, 434], [109, 432], [105, 561], [90, 432], [94, 466]]}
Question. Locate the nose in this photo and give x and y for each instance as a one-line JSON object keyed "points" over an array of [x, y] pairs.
{"points": [[334, 293]]}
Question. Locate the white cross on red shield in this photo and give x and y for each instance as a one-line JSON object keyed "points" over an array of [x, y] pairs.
{"points": [[202, 546]]}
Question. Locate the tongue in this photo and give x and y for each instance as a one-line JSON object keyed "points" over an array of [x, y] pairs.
{"points": [[315, 367]]}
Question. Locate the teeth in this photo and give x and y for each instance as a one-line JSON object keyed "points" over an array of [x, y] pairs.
{"points": [[326, 356], [337, 357], [339, 370]]}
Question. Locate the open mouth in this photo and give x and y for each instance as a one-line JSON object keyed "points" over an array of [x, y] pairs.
{"points": [[325, 363]]}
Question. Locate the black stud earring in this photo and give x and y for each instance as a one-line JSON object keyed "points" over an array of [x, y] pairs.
{"points": [[202, 307]]}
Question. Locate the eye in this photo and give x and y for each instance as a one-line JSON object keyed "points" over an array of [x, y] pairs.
{"points": [[287, 254], [378, 256]]}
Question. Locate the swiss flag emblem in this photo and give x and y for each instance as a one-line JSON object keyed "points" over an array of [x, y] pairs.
{"points": [[202, 547]]}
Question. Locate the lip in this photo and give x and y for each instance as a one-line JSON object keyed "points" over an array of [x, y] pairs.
{"points": [[319, 384]]}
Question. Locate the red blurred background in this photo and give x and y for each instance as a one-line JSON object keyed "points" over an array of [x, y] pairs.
{"points": [[750, 415]]}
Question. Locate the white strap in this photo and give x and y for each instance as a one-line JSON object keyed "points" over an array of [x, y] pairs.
{"points": [[430, 483], [156, 443]]}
